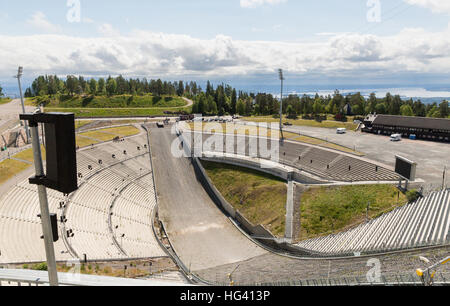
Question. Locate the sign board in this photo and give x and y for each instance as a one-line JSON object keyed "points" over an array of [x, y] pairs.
{"points": [[61, 159], [405, 168]]}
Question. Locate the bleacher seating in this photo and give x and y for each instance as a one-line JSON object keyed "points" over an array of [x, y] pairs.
{"points": [[423, 223], [322, 162], [118, 192]]}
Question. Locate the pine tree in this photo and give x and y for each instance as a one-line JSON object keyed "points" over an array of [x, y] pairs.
{"points": [[233, 102]]}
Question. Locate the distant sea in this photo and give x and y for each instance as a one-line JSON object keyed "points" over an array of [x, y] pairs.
{"points": [[429, 95]]}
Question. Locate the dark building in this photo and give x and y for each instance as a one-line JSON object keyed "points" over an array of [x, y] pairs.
{"points": [[435, 129]]}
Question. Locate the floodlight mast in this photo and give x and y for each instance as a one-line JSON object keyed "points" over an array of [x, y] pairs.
{"points": [[18, 76], [280, 72]]}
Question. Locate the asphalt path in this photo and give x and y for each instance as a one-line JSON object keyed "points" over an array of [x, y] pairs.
{"points": [[202, 236], [9, 114]]}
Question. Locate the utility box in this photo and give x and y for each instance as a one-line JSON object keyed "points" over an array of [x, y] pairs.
{"points": [[60, 147]]}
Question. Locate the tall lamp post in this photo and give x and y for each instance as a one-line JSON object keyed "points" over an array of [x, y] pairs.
{"points": [[18, 76], [280, 72]]}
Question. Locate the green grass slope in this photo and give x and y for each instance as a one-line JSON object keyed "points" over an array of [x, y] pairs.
{"points": [[260, 197]]}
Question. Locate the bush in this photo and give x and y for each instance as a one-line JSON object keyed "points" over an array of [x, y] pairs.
{"points": [[319, 118], [40, 267], [412, 195]]}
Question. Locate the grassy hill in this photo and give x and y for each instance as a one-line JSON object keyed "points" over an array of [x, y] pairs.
{"points": [[328, 210], [300, 122], [5, 100], [117, 112], [121, 101], [260, 197], [114, 106]]}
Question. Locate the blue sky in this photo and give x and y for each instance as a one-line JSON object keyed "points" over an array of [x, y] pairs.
{"points": [[289, 21], [314, 41]]}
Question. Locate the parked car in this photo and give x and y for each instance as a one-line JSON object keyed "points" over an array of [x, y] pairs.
{"points": [[341, 131], [396, 137]]}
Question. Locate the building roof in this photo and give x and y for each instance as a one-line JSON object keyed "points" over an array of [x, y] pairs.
{"points": [[413, 122]]}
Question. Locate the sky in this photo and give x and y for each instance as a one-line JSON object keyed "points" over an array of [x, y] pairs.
{"points": [[324, 43]]}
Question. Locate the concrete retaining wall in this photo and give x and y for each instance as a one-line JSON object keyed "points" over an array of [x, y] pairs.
{"points": [[280, 171], [247, 163], [212, 191]]}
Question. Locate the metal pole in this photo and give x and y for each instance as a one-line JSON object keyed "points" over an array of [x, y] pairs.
{"points": [[45, 213], [280, 72], [281, 110], [367, 212], [27, 131], [443, 178]]}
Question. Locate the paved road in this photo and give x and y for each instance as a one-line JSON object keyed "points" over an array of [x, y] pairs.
{"points": [[189, 102], [202, 236], [9, 114]]}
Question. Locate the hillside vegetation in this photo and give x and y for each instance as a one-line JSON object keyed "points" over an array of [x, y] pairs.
{"points": [[328, 210], [118, 112], [119, 101], [260, 197], [300, 122], [5, 100]]}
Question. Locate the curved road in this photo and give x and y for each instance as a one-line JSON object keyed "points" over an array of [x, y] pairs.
{"points": [[212, 247], [201, 235]]}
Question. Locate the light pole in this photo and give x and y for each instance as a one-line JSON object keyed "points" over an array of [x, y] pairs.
{"points": [[18, 76], [443, 178], [280, 72], [45, 213]]}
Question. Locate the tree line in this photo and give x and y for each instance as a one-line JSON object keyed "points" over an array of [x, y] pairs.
{"points": [[73, 85], [224, 99], [359, 105]]}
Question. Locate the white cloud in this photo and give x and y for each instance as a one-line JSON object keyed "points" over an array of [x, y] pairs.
{"points": [[437, 6], [152, 54], [39, 20], [107, 29], [256, 3]]}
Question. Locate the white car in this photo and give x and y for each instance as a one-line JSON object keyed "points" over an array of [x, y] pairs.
{"points": [[396, 137], [341, 131]]}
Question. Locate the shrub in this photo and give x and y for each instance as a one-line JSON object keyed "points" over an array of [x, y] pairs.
{"points": [[107, 270], [412, 195], [40, 267]]}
